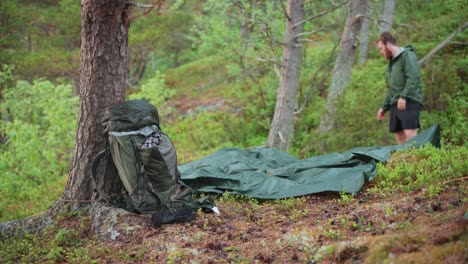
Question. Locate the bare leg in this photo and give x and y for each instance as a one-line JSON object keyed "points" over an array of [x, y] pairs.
{"points": [[400, 137], [410, 133]]}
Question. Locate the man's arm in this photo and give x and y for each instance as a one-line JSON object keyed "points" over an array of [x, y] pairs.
{"points": [[412, 74]]}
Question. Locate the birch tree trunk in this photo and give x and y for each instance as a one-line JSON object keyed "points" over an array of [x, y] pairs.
{"points": [[104, 43], [283, 118], [344, 63], [387, 16]]}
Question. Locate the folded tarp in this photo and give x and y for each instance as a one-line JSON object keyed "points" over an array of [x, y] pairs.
{"points": [[266, 173]]}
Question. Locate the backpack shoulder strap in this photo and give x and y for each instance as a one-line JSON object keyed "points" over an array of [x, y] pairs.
{"points": [[109, 188]]}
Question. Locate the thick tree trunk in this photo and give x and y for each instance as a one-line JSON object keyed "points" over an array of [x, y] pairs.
{"points": [[283, 119], [344, 63], [387, 16], [104, 42]]}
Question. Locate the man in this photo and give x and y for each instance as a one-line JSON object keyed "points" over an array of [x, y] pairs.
{"points": [[404, 96]]}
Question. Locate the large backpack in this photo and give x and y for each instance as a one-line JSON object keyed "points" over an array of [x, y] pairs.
{"points": [[146, 161]]}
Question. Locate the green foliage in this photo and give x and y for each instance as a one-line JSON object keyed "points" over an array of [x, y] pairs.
{"points": [[194, 78], [453, 121], [6, 77], [163, 39], [433, 20], [236, 30], [227, 197], [252, 103], [332, 234], [356, 124], [426, 167], [39, 124], [14, 19], [243, 129], [197, 136], [61, 244], [55, 60], [289, 203], [155, 92], [230, 114], [41, 38], [346, 198], [22, 249]]}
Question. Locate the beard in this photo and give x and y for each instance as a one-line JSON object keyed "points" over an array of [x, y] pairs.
{"points": [[388, 54]]}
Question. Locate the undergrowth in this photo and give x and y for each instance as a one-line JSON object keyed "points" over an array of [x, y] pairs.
{"points": [[426, 168]]}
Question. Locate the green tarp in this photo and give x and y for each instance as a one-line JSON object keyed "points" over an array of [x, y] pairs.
{"points": [[266, 173]]}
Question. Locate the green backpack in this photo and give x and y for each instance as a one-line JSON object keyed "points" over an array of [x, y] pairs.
{"points": [[146, 161]]}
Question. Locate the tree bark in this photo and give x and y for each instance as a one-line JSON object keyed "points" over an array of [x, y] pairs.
{"points": [[104, 43], [364, 37], [344, 63], [387, 16], [283, 119]]}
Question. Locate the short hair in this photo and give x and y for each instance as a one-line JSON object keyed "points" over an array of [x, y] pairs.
{"points": [[386, 37]]}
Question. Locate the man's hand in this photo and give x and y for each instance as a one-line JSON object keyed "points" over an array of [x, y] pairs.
{"points": [[401, 105], [380, 114]]}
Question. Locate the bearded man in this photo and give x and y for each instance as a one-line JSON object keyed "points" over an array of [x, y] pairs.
{"points": [[404, 94]]}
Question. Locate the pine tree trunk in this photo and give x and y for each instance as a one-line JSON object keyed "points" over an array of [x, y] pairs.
{"points": [[104, 42], [283, 119], [344, 63]]}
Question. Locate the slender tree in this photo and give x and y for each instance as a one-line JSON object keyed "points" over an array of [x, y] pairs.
{"points": [[283, 119], [344, 63], [364, 37], [387, 15]]}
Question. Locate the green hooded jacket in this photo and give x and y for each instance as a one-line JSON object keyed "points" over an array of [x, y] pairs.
{"points": [[403, 79]]}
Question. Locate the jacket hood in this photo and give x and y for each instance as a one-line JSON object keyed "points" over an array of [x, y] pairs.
{"points": [[409, 47], [405, 49]]}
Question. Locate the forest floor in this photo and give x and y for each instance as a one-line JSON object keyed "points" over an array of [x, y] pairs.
{"points": [[324, 228]]}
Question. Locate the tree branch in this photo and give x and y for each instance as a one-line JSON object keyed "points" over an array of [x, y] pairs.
{"points": [[133, 3], [443, 44], [321, 14], [285, 11], [150, 7], [312, 32], [267, 34], [252, 77], [456, 179], [459, 43], [307, 94]]}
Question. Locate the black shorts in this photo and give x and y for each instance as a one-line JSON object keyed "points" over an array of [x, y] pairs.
{"points": [[405, 119]]}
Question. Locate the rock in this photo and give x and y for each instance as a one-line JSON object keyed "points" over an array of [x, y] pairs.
{"points": [[116, 224]]}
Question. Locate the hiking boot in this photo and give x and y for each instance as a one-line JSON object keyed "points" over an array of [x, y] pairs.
{"points": [[164, 216]]}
